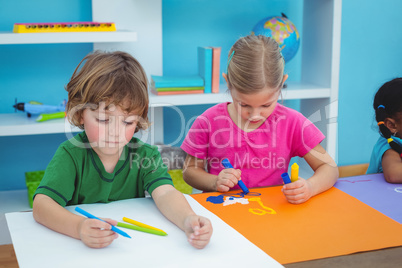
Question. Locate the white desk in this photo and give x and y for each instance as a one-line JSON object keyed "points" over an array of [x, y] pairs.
{"points": [[38, 246]]}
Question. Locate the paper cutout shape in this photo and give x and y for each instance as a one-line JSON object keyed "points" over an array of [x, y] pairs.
{"points": [[258, 200], [215, 199], [233, 199], [258, 211], [230, 200]]}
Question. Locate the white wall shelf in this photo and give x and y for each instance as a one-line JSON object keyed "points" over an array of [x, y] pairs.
{"points": [[9, 38], [17, 124], [294, 91]]}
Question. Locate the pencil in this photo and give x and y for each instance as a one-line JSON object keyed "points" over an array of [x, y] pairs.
{"points": [[142, 224], [89, 215], [141, 229]]}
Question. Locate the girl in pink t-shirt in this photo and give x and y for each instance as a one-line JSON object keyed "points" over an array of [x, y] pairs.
{"points": [[258, 135]]}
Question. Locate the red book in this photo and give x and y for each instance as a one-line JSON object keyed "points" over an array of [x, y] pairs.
{"points": [[216, 58], [161, 93]]}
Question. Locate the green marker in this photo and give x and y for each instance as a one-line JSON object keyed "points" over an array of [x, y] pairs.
{"points": [[141, 229], [45, 117]]}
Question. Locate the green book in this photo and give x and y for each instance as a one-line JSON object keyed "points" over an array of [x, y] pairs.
{"points": [[176, 81], [163, 89]]}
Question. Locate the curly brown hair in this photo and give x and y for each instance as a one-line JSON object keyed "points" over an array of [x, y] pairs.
{"points": [[110, 77]]}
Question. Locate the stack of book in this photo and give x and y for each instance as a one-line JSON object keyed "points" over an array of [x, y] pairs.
{"points": [[170, 85], [207, 80]]}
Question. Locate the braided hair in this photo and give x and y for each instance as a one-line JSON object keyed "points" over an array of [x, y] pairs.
{"points": [[387, 104]]}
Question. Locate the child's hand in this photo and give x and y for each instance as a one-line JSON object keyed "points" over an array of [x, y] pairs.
{"points": [[198, 230], [227, 178], [298, 192], [97, 234]]}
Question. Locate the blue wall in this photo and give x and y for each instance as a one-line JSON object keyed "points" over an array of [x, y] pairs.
{"points": [[35, 72], [370, 55]]}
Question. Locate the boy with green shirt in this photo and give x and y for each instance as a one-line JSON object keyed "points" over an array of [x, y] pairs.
{"points": [[108, 98]]}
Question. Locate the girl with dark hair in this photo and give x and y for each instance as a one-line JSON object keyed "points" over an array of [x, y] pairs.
{"points": [[387, 152]]}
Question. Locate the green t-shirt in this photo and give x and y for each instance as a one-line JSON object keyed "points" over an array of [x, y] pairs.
{"points": [[76, 175]]}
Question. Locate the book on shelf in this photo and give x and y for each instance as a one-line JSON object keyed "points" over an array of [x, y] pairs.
{"points": [[158, 81], [163, 93], [164, 89], [205, 66], [216, 59]]}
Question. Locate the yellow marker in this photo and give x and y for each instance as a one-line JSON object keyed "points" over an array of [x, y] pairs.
{"points": [[141, 224], [294, 172]]}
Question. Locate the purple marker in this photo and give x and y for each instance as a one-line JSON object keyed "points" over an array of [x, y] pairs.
{"points": [[226, 164], [285, 178]]}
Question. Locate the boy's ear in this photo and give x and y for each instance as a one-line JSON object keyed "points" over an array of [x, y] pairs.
{"points": [[81, 119], [390, 124]]}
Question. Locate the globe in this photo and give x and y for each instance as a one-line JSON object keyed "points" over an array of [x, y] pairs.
{"points": [[283, 31]]}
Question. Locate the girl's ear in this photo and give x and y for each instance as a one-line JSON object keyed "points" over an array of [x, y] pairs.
{"points": [[390, 124], [226, 77], [285, 77]]}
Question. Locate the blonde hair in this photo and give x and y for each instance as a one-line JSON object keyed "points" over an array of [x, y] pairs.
{"points": [[255, 62], [110, 77]]}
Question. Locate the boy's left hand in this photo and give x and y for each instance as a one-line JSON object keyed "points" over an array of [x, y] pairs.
{"points": [[298, 192], [198, 230]]}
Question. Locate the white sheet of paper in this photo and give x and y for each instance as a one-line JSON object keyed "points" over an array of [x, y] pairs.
{"points": [[38, 246]]}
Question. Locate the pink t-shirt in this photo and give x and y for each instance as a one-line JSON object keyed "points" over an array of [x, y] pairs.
{"points": [[262, 154]]}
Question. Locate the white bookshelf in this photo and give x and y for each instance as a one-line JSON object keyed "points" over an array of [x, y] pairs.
{"points": [[321, 43]]}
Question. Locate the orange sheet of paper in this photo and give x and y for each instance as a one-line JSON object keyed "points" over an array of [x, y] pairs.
{"points": [[330, 224]]}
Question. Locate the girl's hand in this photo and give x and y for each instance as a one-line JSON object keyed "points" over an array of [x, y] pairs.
{"points": [[227, 178], [95, 233], [298, 192], [198, 230]]}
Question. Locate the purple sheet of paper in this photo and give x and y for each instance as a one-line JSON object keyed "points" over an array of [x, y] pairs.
{"points": [[374, 191]]}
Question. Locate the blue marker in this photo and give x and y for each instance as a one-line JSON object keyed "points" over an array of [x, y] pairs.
{"points": [[285, 178], [114, 229], [226, 164]]}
